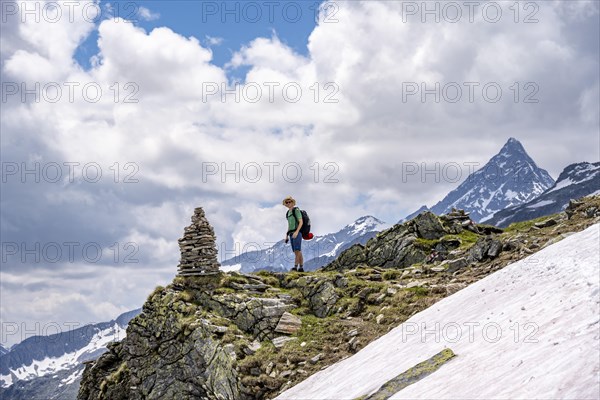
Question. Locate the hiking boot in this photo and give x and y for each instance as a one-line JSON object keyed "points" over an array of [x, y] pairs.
{"points": [[294, 269], [300, 269]]}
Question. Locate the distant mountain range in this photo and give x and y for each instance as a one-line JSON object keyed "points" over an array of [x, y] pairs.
{"points": [[47, 367], [508, 179], [577, 180], [317, 252]]}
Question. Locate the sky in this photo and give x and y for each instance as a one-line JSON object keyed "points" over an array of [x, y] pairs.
{"points": [[119, 118]]}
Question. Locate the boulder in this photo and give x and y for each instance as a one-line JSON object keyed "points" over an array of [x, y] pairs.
{"points": [[427, 225], [322, 298], [452, 266], [288, 323]]}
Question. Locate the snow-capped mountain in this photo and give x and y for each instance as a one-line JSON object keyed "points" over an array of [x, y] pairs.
{"points": [[3, 350], [508, 179], [529, 330], [317, 252], [60, 355], [576, 180]]}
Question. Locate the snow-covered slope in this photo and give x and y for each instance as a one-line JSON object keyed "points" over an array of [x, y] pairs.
{"points": [[508, 179], [577, 180], [530, 330], [317, 252]]}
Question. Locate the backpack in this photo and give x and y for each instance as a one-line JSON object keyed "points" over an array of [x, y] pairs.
{"points": [[305, 228]]}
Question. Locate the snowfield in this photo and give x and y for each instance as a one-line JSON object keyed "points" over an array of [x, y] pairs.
{"points": [[530, 330]]}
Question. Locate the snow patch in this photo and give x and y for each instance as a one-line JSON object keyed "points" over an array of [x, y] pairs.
{"points": [[71, 378], [541, 204], [231, 268]]}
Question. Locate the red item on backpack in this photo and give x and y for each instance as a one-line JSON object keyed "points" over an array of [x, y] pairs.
{"points": [[308, 236]]}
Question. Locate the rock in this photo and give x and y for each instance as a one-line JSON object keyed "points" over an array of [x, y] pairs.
{"points": [[288, 323], [391, 291], [269, 368], [428, 226], [252, 347], [592, 212], [322, 298], [379, 319], [316, 358], [438, 269], [546, 223], [485, 248], [349, 258], [183, 361], [341, 281], [285, 374], [494, 249], [280, 341], [353, 344], [413, 284], [353, 332]]}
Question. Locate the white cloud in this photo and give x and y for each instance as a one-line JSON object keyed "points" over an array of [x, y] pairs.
{"points": [[147, 15], [213, 41]]}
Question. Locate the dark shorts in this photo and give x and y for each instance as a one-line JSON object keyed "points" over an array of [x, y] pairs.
{"points": [[296, 243]]}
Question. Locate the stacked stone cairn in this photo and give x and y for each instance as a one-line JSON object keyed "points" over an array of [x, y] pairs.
{"points": [[198, 247], [462, 217]]}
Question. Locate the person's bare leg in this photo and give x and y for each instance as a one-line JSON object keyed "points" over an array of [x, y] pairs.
{"points": [[299, 258]]}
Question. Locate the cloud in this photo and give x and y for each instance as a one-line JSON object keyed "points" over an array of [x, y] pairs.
{"points": [[213, 41], [147, 15]]}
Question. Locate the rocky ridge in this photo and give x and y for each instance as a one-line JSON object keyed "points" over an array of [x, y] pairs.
{"points": [[238, 336]]}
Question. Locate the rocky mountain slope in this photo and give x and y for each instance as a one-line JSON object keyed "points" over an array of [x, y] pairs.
{"points": [[318, 252], [508, 179], [577, 180], [44, 367], [527, 331], [239, 336]]}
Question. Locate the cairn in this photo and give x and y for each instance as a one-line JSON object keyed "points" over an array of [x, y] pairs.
{"points": [[198, 248], [461, 217]]}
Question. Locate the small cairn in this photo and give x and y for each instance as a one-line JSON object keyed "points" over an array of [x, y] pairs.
{"points": [[198, 247], [461, 217]]}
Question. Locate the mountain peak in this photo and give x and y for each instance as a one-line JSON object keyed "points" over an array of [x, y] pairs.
{"points": [[513, 146], [508, 179]]}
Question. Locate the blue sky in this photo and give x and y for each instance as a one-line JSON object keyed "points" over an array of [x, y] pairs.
{"points": [[229, 25]]}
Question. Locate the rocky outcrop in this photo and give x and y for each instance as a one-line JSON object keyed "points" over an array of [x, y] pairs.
{"points": [[256, 316], [423, 239], [167, 354]]}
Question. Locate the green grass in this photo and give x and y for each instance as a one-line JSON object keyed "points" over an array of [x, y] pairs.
{"points": [[419, 291], [467, 238], [427, 243], [526, 225]]}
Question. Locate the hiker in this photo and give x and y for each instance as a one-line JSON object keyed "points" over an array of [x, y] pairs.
{"points": [[294, 218]]}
